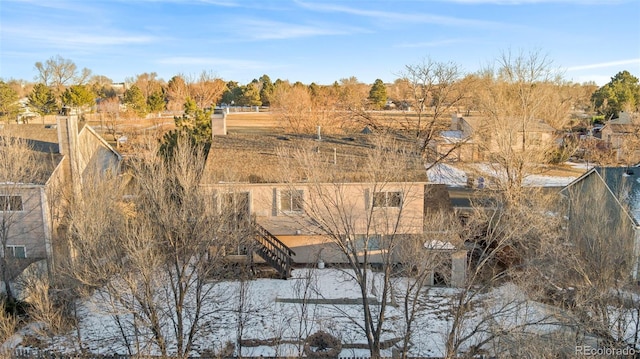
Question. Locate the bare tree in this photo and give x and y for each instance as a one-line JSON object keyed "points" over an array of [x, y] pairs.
{"points": [[155, 258], [422, 259], [504, 238], [148, 83], [177, 93], [292, 106], [363, 223], [435, 91], [207, 90], [517, 92], [58, 72], [353, 94], [109, 110]]}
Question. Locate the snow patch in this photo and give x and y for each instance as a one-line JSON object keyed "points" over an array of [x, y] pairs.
{"points": [[442, 173]]}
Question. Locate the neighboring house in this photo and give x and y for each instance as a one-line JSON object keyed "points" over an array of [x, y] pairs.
{"points": [[622, 135], [475, 138], [604, 204], [33, 210], [292, 218], [26, 114]]}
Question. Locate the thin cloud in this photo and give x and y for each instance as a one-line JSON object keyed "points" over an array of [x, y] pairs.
{"points": [[604, 64], [66, 39], [436, 43], [400, 17], [273, 30]]}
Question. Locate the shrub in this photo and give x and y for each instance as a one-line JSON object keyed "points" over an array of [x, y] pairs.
{"points": [[322, 345]]}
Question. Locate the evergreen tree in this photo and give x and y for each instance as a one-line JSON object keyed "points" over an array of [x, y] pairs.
{"points": [[266, 92], [378, 94], [134, 99], [195, 123], [250, 95], [232, 94], [9, 107], [156, 102], [622, 93], [78, 96], [42, 100]]}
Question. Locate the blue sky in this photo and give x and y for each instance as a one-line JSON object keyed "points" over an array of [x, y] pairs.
{"points": [[315, 41]]}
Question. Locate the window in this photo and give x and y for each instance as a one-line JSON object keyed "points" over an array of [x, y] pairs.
{"points": [[17, 251], [363, 242], [10, 203], [291, 201], [387, 199]]}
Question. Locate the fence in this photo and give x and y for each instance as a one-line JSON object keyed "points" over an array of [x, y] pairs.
{"points": [[25, 353]]}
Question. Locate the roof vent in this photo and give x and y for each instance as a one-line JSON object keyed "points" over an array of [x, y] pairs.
{"points": [[629, 172]]}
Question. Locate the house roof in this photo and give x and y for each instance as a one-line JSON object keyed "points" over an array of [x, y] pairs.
{"points": [[43, 140], [624, 185], [621, 127], [451, 136], [537, 125], [258, 158], [625, 123]]}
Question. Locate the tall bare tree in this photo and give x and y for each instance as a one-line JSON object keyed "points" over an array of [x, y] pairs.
{"points": [[435, 90], [207, 89], [363, 223], [58, 72], [518, 91], [153, 260], [177, 93], [504, 238]]}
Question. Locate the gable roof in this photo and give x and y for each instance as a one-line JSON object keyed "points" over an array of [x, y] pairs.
{"points": [[624, 185], [260, 158], [536, 125], [44, 142], [625, 123]]}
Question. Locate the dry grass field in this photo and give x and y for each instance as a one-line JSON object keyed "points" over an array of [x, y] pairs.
{"points": [[255, 120]]}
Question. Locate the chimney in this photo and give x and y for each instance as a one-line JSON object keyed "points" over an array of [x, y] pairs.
{"points": [[219, 124], [68, 147], [455, 122]]}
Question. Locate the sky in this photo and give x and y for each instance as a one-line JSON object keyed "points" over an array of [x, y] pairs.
{"points": [[316, 41]]}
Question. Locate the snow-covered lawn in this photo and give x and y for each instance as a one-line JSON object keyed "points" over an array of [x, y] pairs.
{"points": [[274, 310]]}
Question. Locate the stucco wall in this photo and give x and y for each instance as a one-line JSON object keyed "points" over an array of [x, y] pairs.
{"points": [[322, 202], [26, 227]]}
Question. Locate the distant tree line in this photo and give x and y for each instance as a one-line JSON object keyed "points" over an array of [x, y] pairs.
{"points": [[59, 82]]}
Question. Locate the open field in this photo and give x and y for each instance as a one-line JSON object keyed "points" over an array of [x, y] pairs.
{"points": [[243, 120]]}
